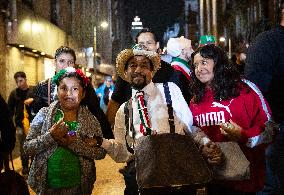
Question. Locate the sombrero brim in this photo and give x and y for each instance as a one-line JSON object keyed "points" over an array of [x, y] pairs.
{"points": [[126, 54]]}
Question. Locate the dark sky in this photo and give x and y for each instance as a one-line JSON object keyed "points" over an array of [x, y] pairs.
{"points": [[158, 14]]}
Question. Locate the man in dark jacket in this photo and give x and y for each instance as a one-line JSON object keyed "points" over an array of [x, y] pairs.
{"points": [[22, 95], [46, 91], [265, 67], [7, 135]]}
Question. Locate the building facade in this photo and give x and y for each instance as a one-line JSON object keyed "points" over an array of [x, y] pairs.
{"points": [[237, 20], [31, 31], [30, 38]]}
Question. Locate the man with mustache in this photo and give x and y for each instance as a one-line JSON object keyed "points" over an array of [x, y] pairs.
{"points": [[149, 111], [166, 73]]}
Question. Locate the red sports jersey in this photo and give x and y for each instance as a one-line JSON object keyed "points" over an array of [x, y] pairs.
{"points": [[250, 111]]}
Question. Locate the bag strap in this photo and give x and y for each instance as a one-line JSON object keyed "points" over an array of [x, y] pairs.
{"points": [[48, 90], [128, 113], [170, 107]]}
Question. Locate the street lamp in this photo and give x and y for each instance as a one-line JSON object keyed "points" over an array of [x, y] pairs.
{"points": [[223, 40], [104, 25]]}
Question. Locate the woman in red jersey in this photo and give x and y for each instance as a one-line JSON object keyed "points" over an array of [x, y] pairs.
{"points": [[229, 108]]}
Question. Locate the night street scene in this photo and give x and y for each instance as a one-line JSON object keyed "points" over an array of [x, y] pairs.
{"points": [[142, 97]]}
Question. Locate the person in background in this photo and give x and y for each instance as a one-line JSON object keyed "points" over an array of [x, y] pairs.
{"points": [[180, 49], [138, 66], [46, 92], [104, 92], [265, 67], [122, 90], [97, 80], [227, 108], [239, 61], [7, 135], [65, 139], [19, 98]]}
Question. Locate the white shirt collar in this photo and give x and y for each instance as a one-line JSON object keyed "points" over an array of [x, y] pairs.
{"points": [[148, 90]]}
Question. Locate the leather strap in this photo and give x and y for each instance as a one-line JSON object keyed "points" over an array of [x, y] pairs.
{"points": [[129, 123], [170, 107]]}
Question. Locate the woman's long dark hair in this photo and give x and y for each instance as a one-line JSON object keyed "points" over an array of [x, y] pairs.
{"points": [[226, 77]]}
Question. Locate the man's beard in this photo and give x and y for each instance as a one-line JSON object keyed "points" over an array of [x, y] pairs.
{"points": [[138, 86]]}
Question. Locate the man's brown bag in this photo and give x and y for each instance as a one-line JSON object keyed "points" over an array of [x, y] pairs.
{"points": [[169, 160]]}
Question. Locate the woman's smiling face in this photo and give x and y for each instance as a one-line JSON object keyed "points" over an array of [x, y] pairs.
{"points": [[203, 68], [70, 93]]}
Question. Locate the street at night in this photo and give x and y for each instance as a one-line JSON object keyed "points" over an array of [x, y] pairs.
{"points": [[170, 97]]}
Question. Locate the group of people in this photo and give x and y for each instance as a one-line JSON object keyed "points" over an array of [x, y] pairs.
{"points": [[225, 103], [200, 94], [223, 106]]}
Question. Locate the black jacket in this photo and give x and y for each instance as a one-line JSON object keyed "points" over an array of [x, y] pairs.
{"points": [[265, 67], [7, 129], [16, 104], [41, 95]]}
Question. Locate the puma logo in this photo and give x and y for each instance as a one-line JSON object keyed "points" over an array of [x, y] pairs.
{"points": [[219, 105]]}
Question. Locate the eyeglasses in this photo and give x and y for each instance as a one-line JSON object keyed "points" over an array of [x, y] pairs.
{"points": [[203, 62]]}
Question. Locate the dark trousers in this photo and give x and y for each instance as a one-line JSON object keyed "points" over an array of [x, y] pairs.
{"points": [[274, 182], [24, 157], [4, 161], [131, 187], [129, 174]]}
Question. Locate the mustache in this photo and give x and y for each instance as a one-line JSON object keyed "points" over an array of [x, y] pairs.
{"points": [[138, 75]]}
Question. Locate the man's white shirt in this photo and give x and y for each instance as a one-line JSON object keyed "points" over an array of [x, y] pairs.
{"points": [[158, 115]]}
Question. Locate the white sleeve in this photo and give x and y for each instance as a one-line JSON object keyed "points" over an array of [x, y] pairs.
{"points": [[181, 109], [183, 112], [116, 147]]}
